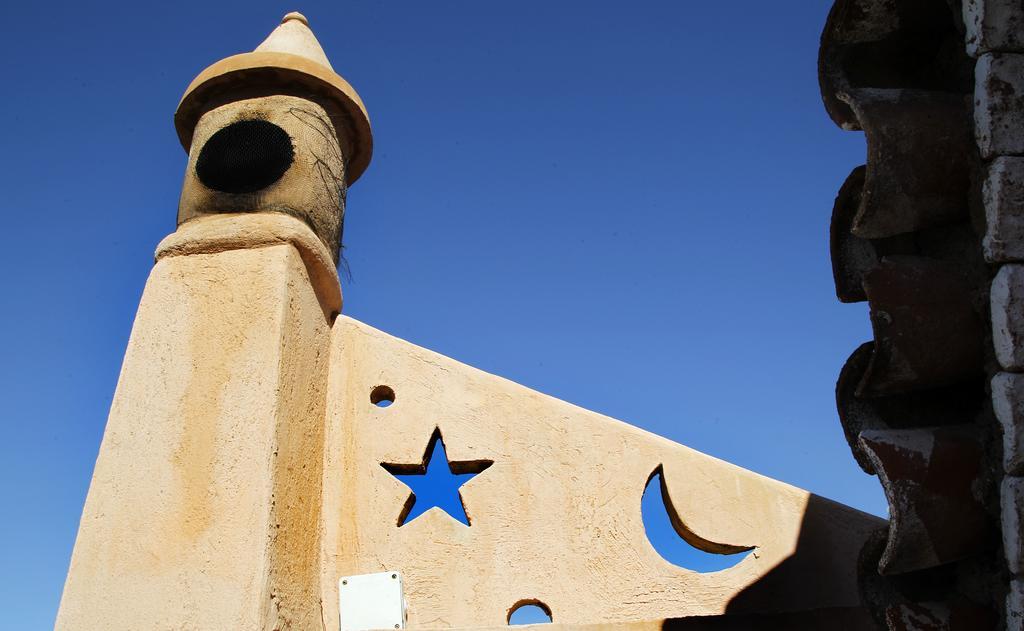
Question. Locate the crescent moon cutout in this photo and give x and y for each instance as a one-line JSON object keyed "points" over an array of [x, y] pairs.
{"points": [[664, 528]]}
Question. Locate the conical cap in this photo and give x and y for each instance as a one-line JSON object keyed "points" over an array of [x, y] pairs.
{"points": [[293, 36], [289, 61]]}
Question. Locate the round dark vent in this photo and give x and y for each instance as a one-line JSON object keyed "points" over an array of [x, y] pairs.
{"points": [[245, 157]]}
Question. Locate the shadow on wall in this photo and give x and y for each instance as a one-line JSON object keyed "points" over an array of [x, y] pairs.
{"points": [[807, 576], [832, 618]]}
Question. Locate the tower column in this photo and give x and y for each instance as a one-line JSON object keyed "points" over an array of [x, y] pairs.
{"points": [[204, 507]]}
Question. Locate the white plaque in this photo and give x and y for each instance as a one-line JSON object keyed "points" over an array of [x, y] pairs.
{"points": [[371, 601]]}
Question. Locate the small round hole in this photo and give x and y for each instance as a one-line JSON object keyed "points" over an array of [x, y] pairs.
{"points": [[529, 611], [382, 396]]}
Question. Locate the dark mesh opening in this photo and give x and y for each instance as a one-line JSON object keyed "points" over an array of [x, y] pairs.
{"points": [[245, 157]]}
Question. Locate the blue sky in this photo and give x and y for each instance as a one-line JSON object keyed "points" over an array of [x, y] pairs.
{"points": [[624, 205]]}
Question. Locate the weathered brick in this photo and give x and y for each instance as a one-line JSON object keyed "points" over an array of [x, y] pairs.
{"points": [[999, 104], [1003, 193], [1007, 302], [993, 25], [1015, 606], [1008, 402], [1012, 504]]}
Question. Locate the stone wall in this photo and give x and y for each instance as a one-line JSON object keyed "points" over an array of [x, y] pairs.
{"points": [[929, 233], [995, 38]]}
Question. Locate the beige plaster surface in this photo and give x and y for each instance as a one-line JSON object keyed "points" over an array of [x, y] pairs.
{"points": [[240, 471], [203, 510], [556, 517], [239, 476], [236, 231], [294, 37]]}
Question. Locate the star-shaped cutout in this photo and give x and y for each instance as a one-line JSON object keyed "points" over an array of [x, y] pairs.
{"points": [[433, 486]]}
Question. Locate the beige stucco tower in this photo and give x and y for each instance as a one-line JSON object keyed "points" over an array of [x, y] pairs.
{"points": [[241, 473]]}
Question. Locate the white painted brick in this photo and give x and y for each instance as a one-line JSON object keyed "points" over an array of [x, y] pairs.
{"points": [[1007, 302], [1003, 194], [999, 104], [1012, 508], [1008, 402], [993, 25], [1015, 606]]}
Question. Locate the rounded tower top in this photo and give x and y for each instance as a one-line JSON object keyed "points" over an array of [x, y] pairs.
{"points": [[289, 61], [295, 15]]}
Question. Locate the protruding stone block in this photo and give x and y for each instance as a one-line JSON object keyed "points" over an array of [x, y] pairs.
{"points": [[999, 104], [1015, 606], [932, 479], [952, 405], [1003, 193], [1007, 299], [1008, 402], [927, 333], [883, 43], [918, 175], [993, 25], [852, 257]]}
